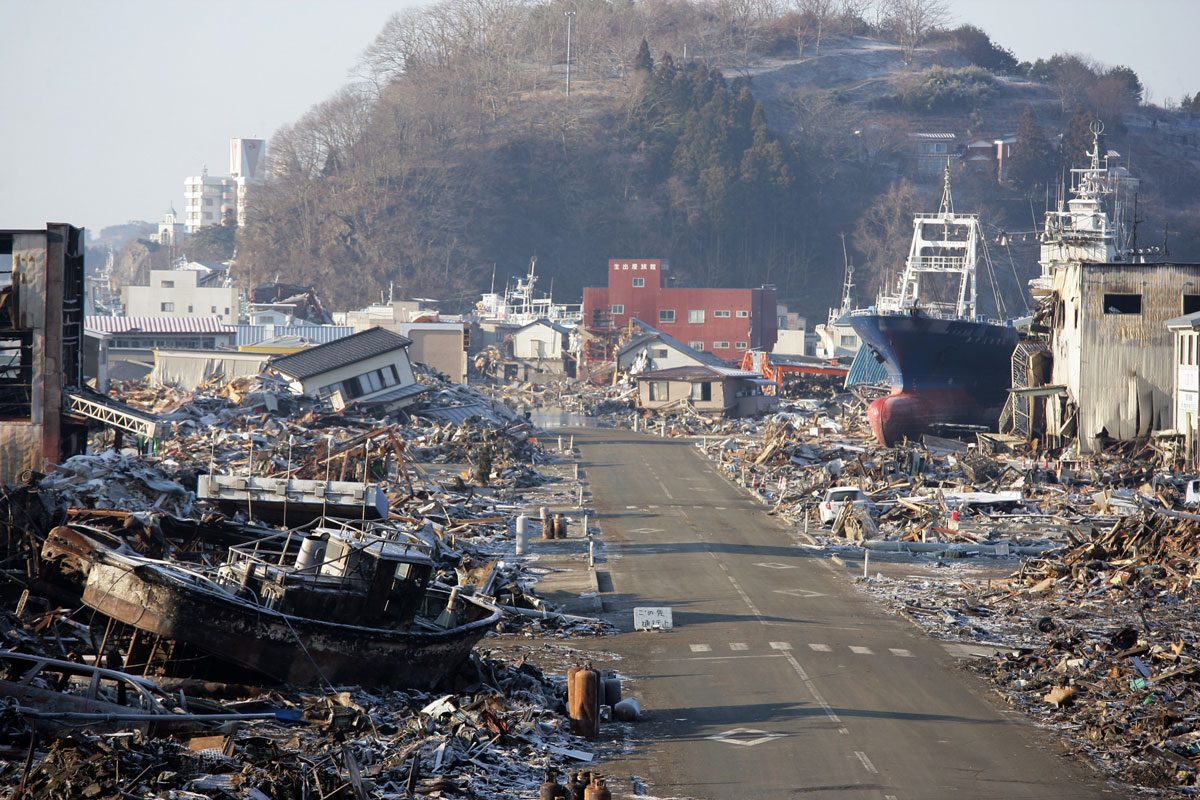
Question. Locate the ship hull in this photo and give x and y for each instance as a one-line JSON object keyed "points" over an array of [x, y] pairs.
{"points": [[942, 371]]}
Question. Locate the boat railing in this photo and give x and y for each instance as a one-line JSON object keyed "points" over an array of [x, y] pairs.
{"points": [[938, 263]]}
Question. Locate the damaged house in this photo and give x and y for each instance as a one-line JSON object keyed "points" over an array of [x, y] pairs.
{"points": [[1113, 354], [368, 368], [705, 389]]}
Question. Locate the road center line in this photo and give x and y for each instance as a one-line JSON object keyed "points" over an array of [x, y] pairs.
{"points": [[812, 689], [866, 762]]}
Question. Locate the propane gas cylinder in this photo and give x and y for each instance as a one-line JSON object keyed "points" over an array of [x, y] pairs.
{"points": [[597, 790]]}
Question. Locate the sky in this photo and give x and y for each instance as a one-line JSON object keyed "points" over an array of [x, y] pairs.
{"points": [[110, 104]]}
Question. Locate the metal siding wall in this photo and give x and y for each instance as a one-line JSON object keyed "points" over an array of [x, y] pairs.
{"points": [[1126, 363]]}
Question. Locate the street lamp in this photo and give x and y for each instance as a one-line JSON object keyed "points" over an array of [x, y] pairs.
{"points": [[570, 15]]}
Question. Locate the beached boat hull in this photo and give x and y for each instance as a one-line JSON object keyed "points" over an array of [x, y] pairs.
{"points": [[180, 606]]}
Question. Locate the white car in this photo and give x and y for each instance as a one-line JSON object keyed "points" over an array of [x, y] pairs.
{"points": [[836, 497]]}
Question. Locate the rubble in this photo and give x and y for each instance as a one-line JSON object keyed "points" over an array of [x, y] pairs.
{"points": [[456, 472]]}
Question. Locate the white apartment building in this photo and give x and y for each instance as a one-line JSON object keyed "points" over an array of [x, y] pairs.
{"points": [[206, 200], [209, 200], [183, 293]]}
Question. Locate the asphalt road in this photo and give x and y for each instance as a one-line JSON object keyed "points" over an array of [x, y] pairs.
{"points": [[781, 680]]}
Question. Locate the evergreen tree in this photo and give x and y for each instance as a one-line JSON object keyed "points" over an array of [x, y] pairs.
{"points": [[1032, 162], [643, 62], [1077, 139]]}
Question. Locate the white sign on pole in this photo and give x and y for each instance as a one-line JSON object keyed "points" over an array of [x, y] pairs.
{"points": [[652, 618]]}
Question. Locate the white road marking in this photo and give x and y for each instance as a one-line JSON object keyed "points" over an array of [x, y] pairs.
{"points": [[746, 598], [889, 797], [803, 594], [812, 689], [774, 565], [862, 651], [724, 658], [666, 491], [747, 737], [820, 648], [700, 648], [780, 646], [866, 762], [719, 508], [738, 646], [900, 651]]}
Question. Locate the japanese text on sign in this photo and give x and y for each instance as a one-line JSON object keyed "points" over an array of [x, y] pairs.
{"points": [[652, 618]]}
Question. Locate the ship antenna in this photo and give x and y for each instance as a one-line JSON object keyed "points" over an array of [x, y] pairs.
{"points": [[849, 277], [1133, 244], [947, 200]]}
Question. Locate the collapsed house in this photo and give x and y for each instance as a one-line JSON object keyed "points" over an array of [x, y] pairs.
{"points": [[368, 368], [708, 390]]}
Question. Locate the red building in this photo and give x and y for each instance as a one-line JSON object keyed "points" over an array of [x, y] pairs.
{"points": [[726, 322]]}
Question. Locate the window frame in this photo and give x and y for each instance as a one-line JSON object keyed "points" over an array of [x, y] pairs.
{"points": [[1125, 302], [664, 319]]}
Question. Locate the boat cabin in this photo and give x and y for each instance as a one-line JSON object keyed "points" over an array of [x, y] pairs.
{"points": [[363, 574]]}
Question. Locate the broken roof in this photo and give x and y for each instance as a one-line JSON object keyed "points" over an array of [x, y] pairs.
{"points": [[698, 372], [340, 352], [547, 323], [651, 334]]}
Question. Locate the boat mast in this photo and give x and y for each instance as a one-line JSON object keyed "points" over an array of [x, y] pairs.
{"points": [[944, 243]]}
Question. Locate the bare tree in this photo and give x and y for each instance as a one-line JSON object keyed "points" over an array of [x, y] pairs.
{"points": [[816, 17], [911, 20]]}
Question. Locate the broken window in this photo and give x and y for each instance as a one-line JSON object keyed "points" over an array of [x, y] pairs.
{"points": [[6, 259], [1122, 303], [1191, 302], [16, 375], [702, 390]]}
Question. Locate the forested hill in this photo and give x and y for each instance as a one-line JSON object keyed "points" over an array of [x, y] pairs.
{"points": [[737, 138]]}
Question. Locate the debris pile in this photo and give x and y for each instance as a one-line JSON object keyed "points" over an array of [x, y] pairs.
{"points": [[1098, 639]]}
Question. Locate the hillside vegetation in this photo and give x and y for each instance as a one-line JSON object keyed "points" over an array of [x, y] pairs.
{"points": [[737, 138]]}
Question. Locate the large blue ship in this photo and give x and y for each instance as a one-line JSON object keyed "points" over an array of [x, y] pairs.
{"points": [[946, 366]]}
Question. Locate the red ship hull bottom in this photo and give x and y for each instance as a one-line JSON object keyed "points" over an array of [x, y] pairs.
{"points": [[905, 414]]}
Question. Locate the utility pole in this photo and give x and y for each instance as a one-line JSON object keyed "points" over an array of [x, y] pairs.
{"points": [[570, 15]]}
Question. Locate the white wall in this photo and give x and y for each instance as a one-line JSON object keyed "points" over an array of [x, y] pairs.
{"points": [[537, 341], [399, 358], [186, 299]]}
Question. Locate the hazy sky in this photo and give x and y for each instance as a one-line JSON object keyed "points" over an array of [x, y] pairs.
{"points": [[110, 104]]}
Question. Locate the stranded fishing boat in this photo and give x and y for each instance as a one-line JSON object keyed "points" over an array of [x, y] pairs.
{"points": [[945, 365], [341, 603]]}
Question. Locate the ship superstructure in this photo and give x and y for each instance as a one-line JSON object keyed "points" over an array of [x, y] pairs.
{"points": [[946, 365]]}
